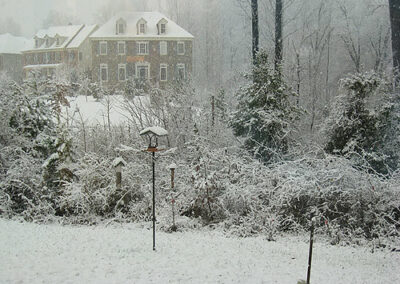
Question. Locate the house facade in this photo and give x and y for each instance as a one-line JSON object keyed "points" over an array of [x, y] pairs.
{"points": [[145, 45], [60, 46], [11, 61]]}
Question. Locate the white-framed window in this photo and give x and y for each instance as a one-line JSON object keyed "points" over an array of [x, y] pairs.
{"points": [[121, 29], [143, 71], [103, 72], [142, 48], [47, 58], [71, 56], [57, 41], [163, 72], [121, 72], [47, 42], [163, 28], [35, 58], [103, 48], [121, 48], [163, 48], [181, 71], [58, 56], [142, 28], [120, 26], [37, 42], [181, 48]]}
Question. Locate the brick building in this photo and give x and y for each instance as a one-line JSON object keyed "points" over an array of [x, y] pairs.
{"points": [[144, 45]]}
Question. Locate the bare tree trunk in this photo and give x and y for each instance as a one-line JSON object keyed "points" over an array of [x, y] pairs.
{"points": [[255, 32], [278, 34], [394, 9]]}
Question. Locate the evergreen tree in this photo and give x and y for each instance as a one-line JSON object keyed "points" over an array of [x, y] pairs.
{"points": [[363, 122], [265, 112]]}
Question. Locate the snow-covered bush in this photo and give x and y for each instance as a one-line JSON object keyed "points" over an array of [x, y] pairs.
{"points": [[28, 129], [360, 122], [93, 192]]}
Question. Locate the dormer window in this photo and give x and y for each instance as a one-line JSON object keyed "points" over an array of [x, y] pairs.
{"points": [[58, 41], [36, 42], [120, 26], [141, 26], [47, 42], [162, 26]]}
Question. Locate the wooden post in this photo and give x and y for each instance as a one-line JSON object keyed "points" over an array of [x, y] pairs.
{"points": [[118, 163], [172, 168], [310, 250], [118, 177]]}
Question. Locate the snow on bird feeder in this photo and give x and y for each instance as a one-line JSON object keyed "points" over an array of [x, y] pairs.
{"points": [[153, 133], [118, 163]]}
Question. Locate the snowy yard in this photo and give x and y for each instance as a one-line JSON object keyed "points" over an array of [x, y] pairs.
{"points": [[32, 253]]}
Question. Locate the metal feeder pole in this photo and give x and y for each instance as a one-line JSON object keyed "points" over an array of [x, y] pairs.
{"points": [[154, 201]]}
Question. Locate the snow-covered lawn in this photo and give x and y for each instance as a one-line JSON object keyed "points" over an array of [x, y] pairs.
{"points": [[32, 253], [94, 112]]}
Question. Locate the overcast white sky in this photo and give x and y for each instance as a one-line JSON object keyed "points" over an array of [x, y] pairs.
{"points": [[30, 14]]}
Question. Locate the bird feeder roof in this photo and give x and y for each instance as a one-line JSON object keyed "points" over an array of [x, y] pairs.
{"points": [[154, 130], [172, 166], [119, 161]]}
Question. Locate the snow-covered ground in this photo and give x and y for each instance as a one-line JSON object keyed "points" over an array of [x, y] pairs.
{"points": [[32, 253], [94, 112]]}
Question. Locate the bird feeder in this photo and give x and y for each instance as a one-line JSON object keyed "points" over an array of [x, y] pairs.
{"points": [[118, 163]]}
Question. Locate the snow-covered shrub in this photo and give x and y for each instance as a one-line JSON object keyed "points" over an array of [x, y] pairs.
{"points": [[28, 131], [348, 200], [93, 193], [360, 121]]}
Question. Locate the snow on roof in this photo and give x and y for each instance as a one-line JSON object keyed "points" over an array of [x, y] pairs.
{"points": [[13, 44], [82, 35], [131, 18], [118, 161], [159, 131], [39, 66], [64, 31]]}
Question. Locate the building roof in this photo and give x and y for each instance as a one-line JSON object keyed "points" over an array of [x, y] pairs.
{"points": [[82, 35], [66, 32], [13, 44], [132, 18], [72, 36]]}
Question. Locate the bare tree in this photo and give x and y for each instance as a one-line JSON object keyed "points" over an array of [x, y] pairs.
{"points": [[255, 33], [352, 41], [278, 34], [394, 9]]}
